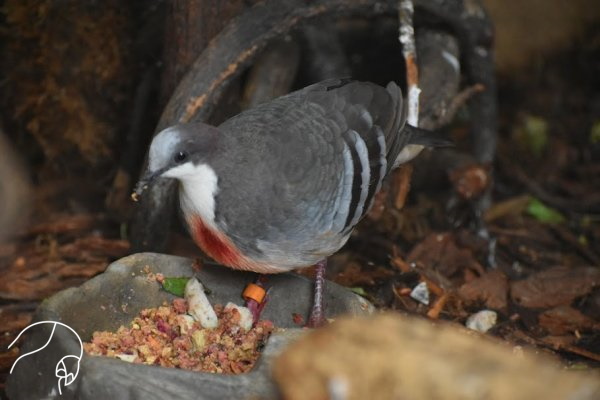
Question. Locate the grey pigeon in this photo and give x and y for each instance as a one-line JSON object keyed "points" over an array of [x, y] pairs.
{"points": [[281, 186]]}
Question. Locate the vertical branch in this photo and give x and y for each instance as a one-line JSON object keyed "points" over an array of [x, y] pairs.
{"points": [[409, 50]]}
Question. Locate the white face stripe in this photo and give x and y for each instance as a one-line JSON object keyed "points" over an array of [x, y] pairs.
{"points": [[199, 186]]}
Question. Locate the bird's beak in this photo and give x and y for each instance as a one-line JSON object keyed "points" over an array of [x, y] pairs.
{"points": [[148, 178]]}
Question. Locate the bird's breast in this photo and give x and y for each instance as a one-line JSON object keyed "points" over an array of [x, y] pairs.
{"points": [[220, 248], [214, 243]]}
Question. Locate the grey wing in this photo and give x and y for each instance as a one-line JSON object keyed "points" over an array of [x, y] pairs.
{"points": [[296, 185], [320, 155], [375, 119], [315, 167]]}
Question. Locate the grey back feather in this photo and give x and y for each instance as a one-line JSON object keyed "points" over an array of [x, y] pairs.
{"points": [[299, 172]]}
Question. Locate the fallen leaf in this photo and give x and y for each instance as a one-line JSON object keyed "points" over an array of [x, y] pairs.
{"points": [[14, 321], [41, 271], [564, 319], [532, 134], [439, 252], [64, 223], [558, 342], [7, 358], [512, 206], [595, 133], [359, 291], [490, 288], [555, 286], [543, 213], [354, 275]]}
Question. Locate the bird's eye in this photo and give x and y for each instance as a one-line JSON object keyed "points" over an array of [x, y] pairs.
{"points": [[181, 156]]}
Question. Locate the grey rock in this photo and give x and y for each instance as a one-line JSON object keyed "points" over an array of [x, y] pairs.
{"points": [[115, 297]]}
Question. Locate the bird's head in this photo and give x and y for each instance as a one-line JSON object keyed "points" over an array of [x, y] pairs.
{"points": [[178, 152]]}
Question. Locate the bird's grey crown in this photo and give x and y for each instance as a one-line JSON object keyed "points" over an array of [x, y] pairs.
{"points": [[162, 148], [197, 141], [297, 173]]}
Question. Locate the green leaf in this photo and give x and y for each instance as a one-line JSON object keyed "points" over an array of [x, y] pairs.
{"points": [[532, 134], [543, 213], [359, 291], [537, 134], [175, 286], [595, 133]]}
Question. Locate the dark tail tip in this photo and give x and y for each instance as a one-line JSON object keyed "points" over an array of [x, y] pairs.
{"points": [[427, 138]]}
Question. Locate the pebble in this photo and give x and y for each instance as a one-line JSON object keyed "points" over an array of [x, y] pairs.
{"points": [[421, 293], [482, 321]]}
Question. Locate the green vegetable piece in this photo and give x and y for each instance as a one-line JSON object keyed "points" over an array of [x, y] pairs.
{"points": [[543, 213], [175, 286]]}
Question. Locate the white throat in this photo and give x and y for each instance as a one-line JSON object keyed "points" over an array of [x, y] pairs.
{"points": [[199, 186]]}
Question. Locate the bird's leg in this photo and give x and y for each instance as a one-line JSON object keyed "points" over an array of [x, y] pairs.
{"points": [[256, 297], [317, 318]]}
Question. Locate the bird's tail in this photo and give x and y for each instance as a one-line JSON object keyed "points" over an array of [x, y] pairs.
{"points": [[395, 138], [406, 141], [426, 138]]}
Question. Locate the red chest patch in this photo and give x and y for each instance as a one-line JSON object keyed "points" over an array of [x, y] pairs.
{"points": [[214, 243], [218, 246]]}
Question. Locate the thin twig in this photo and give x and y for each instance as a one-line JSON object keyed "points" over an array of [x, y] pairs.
{"points": [[581, 352], [435, 311], [409, 50]]}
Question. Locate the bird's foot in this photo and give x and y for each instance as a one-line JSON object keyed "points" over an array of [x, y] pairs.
{"points": [[317, 317]]}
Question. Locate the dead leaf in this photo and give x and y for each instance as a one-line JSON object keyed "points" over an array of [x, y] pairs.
{"points": [[439, 252], [354, 275], [558, 342], [512, 206], [555, 286], [491, 288], [14, 322], [39, 272], [7, 358], [64, 223], [564, 319]]}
